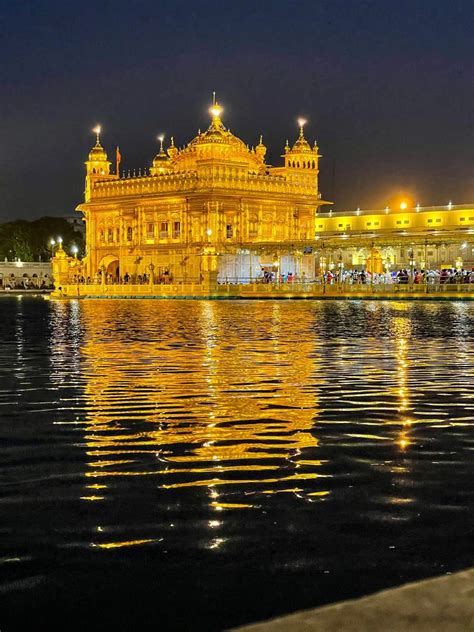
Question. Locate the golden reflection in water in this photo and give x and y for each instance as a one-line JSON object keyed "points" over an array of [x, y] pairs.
{"points": [[186, 397], [402, 330]]}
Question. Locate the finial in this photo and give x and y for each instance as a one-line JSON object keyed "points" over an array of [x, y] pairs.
{"points": [[161, 138], [302, 122], [172, 141], [139, 172], [261, 139], [216, 111], [97, 129], [213, 98], [199, 132]]}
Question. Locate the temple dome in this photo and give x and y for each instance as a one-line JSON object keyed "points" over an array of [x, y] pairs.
{"points": [[302, 146], [98, 153]]}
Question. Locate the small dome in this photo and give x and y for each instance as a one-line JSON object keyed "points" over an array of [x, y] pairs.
{"points": [[97, 153], [160, 158], [302, 146]]}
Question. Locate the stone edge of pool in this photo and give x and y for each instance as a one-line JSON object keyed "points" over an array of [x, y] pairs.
{"points": [[280, 297], [441, 604]]}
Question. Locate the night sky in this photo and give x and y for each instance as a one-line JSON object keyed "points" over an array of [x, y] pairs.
{"points": [[387, 88]]}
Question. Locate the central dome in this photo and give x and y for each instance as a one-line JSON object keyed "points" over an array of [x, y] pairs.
{"points": [[217, 133]]}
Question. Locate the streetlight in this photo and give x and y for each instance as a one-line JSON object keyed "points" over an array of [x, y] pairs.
{"points": [[340, 265], [412, 263]]}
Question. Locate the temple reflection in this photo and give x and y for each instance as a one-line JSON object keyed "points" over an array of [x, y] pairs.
{"points": [[183, 397]]}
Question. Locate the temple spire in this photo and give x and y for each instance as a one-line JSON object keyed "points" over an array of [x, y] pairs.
{"points": [[216, 111], [97, 129], [302, 122], [161, 138]]}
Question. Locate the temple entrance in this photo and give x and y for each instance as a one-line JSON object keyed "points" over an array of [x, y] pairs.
{"points": [[112, 267]]}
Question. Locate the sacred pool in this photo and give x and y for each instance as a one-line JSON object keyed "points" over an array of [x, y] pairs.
{"points": [[206, 464]]}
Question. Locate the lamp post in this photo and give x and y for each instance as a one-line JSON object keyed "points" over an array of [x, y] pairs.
{"points": [[340, 265], [52, 243], [412, 263], [388, 265]]}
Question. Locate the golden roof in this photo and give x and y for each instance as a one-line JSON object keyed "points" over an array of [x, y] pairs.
{"points": [[98, 153], [218, 143]]}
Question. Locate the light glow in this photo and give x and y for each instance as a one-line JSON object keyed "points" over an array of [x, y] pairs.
{"points": [[216, 110]]}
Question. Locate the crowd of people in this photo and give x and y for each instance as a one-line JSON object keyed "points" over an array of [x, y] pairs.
{"points": [[138, 279], [402, 277], [328, 277]]}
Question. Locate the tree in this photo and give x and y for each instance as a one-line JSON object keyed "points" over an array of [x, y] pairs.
{"points": [[30, 241]]}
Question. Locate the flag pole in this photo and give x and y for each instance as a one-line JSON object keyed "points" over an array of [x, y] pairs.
{"points": [[117, 160]]}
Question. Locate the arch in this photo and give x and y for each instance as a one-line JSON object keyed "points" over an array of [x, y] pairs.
{"points": [[111, 265]]}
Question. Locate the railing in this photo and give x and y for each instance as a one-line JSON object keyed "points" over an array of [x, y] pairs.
{"points": [[295, 288], [321, 287]]}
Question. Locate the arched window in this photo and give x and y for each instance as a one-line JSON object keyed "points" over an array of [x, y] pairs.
{"points": [[129, 233]]}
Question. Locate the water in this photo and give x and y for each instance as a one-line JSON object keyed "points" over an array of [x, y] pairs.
{"points": [[194, 465]]}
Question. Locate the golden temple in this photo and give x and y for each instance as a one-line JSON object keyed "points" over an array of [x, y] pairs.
{"points": [[214, 213]]}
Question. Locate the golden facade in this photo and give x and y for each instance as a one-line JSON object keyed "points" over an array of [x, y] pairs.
{"points": [[215, 196]]}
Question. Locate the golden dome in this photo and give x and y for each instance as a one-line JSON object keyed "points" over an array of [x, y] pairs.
{"points": [[98, 153], [160, 157], [301, 145], [216, 133]]}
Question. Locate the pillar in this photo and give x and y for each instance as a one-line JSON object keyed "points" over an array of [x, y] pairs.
{"points": [[208, 272]]}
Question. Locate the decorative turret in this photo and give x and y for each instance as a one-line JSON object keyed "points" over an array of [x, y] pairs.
{"points": [[172, 150], [161, 162], [301, 155], [97, 165], [261, 150]]}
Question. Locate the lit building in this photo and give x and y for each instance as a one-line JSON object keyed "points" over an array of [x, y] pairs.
{"points": [[25, 274], [214, 196], [213, 212], [404, 237]]}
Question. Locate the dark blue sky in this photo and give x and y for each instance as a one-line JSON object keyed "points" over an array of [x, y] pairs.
{"points": [[387, 88]]}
